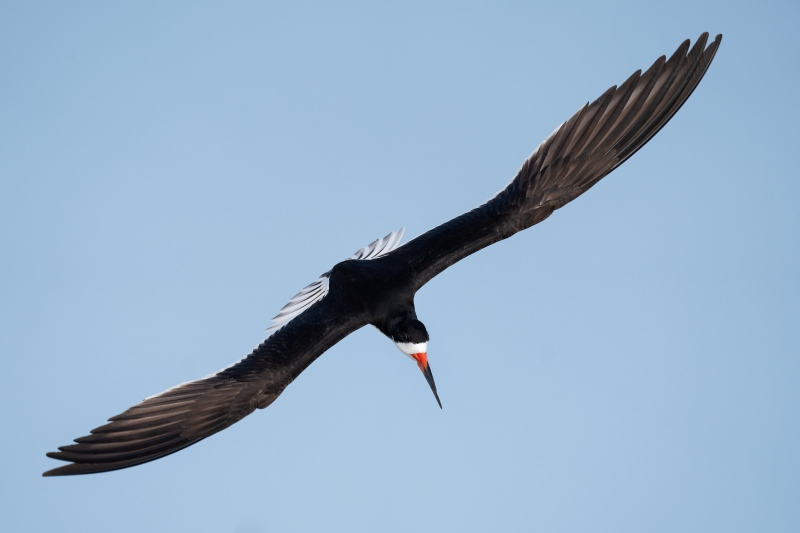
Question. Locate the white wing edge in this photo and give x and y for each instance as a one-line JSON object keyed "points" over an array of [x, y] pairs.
{"points": [[309, 295], [316, 291]]}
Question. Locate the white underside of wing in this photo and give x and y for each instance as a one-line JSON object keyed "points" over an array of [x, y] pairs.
{"points": [[312, 293], [317, 290], [380, 247]]}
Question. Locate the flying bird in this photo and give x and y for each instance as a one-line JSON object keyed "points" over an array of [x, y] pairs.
{"points": [[377, 284]]}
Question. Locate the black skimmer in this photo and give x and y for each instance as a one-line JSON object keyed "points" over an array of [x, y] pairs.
{"points": [[377, 285]]}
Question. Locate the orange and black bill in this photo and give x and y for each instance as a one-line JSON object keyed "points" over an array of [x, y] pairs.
{"points": [[422, 362]]}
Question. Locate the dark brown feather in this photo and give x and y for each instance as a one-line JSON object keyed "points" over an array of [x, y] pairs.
{"points": [[187, 414], [593, 142]]}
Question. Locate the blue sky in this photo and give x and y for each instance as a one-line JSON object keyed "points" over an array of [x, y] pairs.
{"points": [[172, 173]]}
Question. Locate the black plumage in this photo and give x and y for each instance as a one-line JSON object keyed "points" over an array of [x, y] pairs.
{"points": [[380, 291]]}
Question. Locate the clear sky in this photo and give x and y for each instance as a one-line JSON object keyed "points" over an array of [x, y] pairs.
{"points": [[171, 173]]}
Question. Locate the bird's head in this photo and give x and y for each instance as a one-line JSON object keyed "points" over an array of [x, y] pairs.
{"points": [[411, 337]]}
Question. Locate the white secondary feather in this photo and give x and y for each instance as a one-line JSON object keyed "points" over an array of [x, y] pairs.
{"points": [[317, 290], [313, 293]]}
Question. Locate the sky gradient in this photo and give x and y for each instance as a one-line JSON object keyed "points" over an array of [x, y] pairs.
{"points": [[172, 173]]}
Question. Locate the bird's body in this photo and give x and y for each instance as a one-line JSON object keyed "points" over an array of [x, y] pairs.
{"points": [[377, 285]]}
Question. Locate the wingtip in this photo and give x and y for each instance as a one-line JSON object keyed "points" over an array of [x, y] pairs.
{"points": [[703, 38], [706, 35], [66, 470], [75, 469]]}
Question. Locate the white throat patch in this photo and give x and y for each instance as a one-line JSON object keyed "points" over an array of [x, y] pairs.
{"points": [[409, 348]]}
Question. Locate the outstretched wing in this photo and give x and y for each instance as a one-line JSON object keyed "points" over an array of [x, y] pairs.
{"points": [[595, 141], [316, 291], [188, 413]]}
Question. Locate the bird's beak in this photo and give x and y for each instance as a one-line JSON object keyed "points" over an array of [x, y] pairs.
{"points": [[422, 362]]}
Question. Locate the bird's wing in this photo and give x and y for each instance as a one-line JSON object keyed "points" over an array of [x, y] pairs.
{"points": [[190, 412], [380, 247], [316, 291], [596, 140]]}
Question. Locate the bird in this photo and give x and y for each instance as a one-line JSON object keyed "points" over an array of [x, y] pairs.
{"points": [[376, 286]]}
